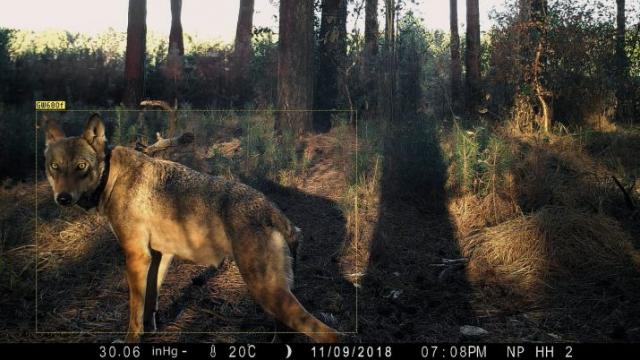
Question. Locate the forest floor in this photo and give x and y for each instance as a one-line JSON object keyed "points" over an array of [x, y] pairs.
{"points": [[389, 280]]}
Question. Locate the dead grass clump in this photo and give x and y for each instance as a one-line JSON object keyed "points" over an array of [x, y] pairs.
{"points": [[615, 149], [551, 249], [471, 213], [559, 172]]}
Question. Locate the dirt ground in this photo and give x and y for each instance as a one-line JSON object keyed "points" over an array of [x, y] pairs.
{"points": [[398, 292]]}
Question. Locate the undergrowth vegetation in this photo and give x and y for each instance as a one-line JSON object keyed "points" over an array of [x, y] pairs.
{"points": [[540, 214]]}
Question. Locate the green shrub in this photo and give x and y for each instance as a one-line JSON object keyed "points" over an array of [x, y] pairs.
{"points": [[481, 160]]}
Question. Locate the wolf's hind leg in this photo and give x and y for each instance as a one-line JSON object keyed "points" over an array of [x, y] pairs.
{"points": [[266, 269]]}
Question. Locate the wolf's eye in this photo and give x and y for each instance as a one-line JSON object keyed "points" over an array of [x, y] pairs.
{"points": [[54, 166], [82, 166]]}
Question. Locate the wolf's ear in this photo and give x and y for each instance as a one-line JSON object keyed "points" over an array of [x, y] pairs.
{"points": [[94, 133], [52, 131]]}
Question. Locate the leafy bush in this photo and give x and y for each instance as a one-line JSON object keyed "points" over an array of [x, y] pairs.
{"points": [[579, 45]]}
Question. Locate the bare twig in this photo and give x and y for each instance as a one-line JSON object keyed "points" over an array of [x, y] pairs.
{"points": [[627, 198], [164, 144], [449, 265], [455, 261]]}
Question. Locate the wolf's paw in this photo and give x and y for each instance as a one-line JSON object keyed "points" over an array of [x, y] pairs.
{"points": [[132, 338], [328, 319]]}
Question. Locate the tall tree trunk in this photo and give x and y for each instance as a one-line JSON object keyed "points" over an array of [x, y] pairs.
{"points": [[332, 52], [456, 65], [295, 66], [370, 55], [621, 62], [135, 53], [390, 23], [242, 52], [371, 29], [175, 65], [472, 56], [176, 42], [389, 87], [370, 52]]}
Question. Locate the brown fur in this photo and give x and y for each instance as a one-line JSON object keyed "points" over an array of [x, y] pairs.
{"points": [[158, 209]]}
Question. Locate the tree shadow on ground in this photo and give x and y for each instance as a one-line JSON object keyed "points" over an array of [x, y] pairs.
{"points": [[404, 297]]}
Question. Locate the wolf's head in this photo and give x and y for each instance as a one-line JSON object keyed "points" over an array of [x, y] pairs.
{"points": [[74, 165]]}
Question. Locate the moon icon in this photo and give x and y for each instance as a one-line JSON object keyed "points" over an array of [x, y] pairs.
{"points": [[288, 351]]}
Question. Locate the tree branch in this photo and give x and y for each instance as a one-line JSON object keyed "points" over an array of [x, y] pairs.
{"points": [[163, 144], [173, 118]]}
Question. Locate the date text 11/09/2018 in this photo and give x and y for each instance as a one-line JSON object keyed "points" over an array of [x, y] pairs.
{"points": [[351, 352]]}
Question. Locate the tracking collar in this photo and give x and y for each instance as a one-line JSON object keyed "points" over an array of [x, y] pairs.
{"points": [[88, 202]]}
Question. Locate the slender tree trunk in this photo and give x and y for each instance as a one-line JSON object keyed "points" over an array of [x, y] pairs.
{"points": [[175, 56], [389, 87], [242, 51], [135, 53], [370, 52], [295, 66], [332, 52], [390, 23], [621, 62], [371, 29], [456, 65], [472, 57], [176, 42]]}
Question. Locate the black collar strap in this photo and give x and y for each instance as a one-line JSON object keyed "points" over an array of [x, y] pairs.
{"points": [[90, 201]]}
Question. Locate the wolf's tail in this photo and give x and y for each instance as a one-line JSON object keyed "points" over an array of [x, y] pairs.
{"points": [[291, 233]]}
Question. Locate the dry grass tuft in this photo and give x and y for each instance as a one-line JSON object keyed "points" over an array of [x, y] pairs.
{"points": [[553, 248], [471, 213]]}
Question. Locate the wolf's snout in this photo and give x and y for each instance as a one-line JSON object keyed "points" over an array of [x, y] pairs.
{"points": [[64, 199]]}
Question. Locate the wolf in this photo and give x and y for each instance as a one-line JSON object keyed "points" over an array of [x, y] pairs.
{"points": [[159, 209]]}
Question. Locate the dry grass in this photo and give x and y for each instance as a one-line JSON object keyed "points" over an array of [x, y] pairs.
{"points": [[555, 237], [471, 213], [615, 150], [555, 247]]}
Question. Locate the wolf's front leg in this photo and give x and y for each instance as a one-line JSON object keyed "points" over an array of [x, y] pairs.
{"points": [[157, 270], [138, 262]]}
